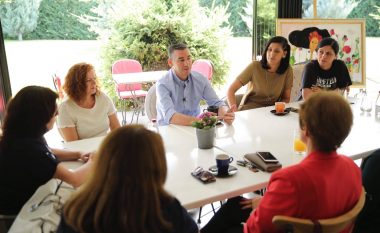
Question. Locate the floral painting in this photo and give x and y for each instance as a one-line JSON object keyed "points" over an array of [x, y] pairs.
{"points": [[304, 35]]}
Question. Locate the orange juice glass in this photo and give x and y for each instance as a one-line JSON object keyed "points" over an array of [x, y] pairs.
{"points": [[299, 146], [280, 107]]}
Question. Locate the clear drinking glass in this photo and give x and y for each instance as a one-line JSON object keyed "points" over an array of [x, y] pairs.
{"points": [[366, 104]]}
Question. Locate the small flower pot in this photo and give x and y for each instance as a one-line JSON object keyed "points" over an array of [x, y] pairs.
{"points": [[205, 138]]}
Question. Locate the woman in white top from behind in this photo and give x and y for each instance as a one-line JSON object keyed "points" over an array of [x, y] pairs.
{"points": [[86, 112]]}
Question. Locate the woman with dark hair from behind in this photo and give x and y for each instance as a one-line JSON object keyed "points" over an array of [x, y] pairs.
{"points": [[126, 193], [368, 219], [26, 161], [327, 72], [269, 80]]}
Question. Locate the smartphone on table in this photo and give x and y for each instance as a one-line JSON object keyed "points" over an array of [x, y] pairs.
{"points": [[267, 157]]}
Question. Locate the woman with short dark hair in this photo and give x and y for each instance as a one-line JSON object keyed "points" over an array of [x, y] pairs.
{"points": [[327, 72], [126, 193], [269, 80], [87, 112], [26, 161]]}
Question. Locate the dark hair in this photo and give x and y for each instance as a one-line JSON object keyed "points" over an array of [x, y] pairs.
{"points": [[284, 64], [328, 118], [177, 46], [75, 84], [28, 113], [126, 193], [329, 41]]}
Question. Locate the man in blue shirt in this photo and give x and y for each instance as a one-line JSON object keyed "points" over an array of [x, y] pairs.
{"points": [[180, 91]]}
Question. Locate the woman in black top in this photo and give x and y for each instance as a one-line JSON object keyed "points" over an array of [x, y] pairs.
{"points": [[26, 161], [368, 219], [126, 193], [325, 73]]}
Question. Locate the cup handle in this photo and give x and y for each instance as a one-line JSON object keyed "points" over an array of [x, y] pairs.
{"points": [[231, 159]]}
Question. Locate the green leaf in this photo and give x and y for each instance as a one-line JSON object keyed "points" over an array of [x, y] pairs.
{"points": [[144, 31]]}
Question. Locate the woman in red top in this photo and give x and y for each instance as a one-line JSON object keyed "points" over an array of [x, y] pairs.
{"points": [[324, 185]]}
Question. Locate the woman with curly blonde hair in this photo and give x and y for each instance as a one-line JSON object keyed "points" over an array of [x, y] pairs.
{"points": [[86, 112]]}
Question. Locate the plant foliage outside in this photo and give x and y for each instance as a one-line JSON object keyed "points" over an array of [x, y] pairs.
{"points": [[338, 9], [368, 9], [145, 29], [19, 17], [234, 9], [46, 19], [265, 21], [206, 121], [377, 16], [64, 19]]}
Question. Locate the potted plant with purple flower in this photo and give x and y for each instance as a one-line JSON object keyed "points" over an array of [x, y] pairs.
{"points": [[205, 129]]}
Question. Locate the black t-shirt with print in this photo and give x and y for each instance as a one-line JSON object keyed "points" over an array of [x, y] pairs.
{"points": [[336, 77]]}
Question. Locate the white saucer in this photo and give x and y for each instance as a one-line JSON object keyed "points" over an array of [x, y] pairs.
{"points": [[231, 171]]}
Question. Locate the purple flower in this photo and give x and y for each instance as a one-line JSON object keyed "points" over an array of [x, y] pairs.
{"points": [[205, 120]]}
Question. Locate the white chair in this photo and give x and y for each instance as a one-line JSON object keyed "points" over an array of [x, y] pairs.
{"points": [[296, 92], [150, 104]]}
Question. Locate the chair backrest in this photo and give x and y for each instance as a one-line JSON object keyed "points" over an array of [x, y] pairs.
{"points": [[204, 67], [331, 225], [295, 93], [6, 222], [150, 103], [125, 66], [58, 85]]}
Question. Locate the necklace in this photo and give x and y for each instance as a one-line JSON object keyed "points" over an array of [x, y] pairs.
{"points": [[267, 86]]}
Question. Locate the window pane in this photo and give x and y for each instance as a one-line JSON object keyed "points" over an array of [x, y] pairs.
{"points": [[335, 9], [307, 9]]}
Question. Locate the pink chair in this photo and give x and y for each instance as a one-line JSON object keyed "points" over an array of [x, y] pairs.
{"points": [[204, 67], [58, 86], [131, 92]]}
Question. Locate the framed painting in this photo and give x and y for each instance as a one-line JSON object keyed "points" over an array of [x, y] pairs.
{"points": [[304, 35]]}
